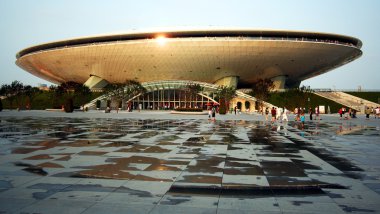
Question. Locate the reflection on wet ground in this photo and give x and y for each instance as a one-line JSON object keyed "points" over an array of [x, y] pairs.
{"points": [[171, 162]]}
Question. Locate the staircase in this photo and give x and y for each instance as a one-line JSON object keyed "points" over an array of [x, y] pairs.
{"points": [[348, 100]]}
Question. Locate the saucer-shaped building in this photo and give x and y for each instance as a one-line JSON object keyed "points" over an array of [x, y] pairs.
{"points": [[164, 61]]}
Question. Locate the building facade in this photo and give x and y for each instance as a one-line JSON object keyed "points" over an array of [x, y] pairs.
{"points": [[230, 57]]}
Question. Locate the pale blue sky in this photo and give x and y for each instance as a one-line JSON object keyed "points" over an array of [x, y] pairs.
{"points": [[25, 23]]}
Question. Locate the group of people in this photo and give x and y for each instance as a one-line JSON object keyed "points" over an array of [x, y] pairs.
{"points": [[372, 110], [281, 114], [211, 113], [346, 114]]}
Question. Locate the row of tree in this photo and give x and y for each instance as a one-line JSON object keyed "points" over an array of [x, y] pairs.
{"points": [[75, 94], [16, 91]]}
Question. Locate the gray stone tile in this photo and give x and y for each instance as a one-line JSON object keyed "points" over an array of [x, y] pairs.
{"points": [[112, 208], [254, 204], [164, 209], [231, 153], [90, 196], [132, 197], [308, 206], [58, 206], [237, 211], [244, 180], [11, 205], [153, 187], [184, 200]]}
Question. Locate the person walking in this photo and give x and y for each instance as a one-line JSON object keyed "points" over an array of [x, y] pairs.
{"points": [[273, 113], [367, 113], [213, 110], [285, 115], [311, 113], [316, 113], [278, 114], [302, 120], [266, 113], [377, 112]]}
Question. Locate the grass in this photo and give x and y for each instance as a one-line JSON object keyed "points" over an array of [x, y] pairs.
{"points": [[371, 96], [45, 100], [307, 100]]}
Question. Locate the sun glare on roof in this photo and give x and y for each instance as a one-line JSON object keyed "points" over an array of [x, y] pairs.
{"points": [[161, 39]]}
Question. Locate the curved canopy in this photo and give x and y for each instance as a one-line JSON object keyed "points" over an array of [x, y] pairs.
{"points": [[197, 55]]}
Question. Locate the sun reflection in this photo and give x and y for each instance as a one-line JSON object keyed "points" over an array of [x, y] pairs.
{"points": [[161, 39]]}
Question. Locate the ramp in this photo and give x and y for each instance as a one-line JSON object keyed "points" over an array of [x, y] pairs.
{"points": [[345, 99]]}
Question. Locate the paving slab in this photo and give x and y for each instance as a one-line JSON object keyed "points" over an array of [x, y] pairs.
{"points": [[155, 162]]}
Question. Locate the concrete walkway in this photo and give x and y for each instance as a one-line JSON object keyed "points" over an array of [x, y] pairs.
{"points": [[157, 162]]}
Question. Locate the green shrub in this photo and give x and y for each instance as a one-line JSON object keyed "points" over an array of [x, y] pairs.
{"points": [[370, 96]]}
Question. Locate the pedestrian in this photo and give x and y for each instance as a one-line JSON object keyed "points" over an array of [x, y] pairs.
{"points": [[278, 114], [354, 113], [378, 112], [273, 113], [311, 113], [235, 109], [340, 111], [302, 119], [209, 113], [285, 115], [367, 113], [298, 114], [266, 113], [316, 113], [213, 110]]}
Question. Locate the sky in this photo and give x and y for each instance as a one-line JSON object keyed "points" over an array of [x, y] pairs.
{"points": [[26, 23]]}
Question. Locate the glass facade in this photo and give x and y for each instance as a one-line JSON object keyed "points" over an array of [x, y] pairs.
{"points": [[163, 99]]}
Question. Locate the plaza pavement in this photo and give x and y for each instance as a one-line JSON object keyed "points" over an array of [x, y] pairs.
{"points": [[157, 162]]}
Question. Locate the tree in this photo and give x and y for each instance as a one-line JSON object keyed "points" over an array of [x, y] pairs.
{"points": [[192, 90], [55, 95], [31, 93], [120, 92], [2, 93], [11, 92], [260, 90], [225, 95], [70, 91], [17, 90]]}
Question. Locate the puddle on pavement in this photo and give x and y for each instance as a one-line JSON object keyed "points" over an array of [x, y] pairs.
{"points": [[4, 184], [32, 169], [138, 193], [201, 178]]}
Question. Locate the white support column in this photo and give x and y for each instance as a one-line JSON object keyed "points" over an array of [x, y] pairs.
{"points": [[279, 82], [230, 81], [95, 82]]}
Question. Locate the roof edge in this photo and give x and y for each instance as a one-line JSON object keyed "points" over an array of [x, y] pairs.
{"points": [[173, 33]]}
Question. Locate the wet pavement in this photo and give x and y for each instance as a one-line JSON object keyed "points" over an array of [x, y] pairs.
{"points": [[165, 164]]}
